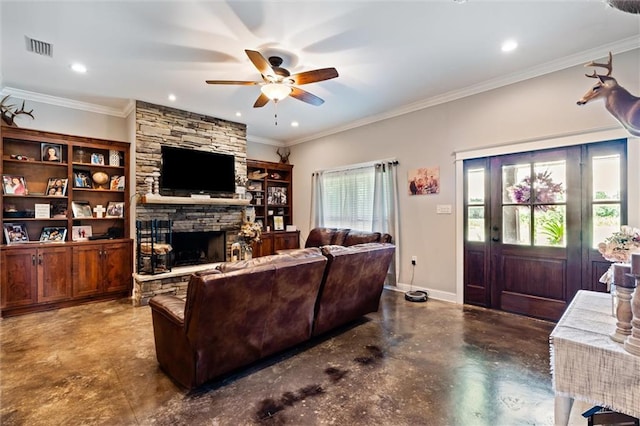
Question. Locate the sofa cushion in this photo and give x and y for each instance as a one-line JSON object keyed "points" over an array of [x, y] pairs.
{"points": [[357, 237], [320, 237], [301, 253], [339, 236]]}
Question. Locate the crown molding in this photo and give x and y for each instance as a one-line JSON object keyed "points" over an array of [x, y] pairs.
{"points": [[264, 141], [69, 103], [620, 46]]}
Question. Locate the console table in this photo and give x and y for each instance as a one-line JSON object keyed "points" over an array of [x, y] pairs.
{"points": [[587, 365]]}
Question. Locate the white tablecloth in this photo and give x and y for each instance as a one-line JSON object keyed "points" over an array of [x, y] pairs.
{"points": [[586, 364]]}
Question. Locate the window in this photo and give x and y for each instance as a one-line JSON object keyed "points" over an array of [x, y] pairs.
{"points": [[348, 198], [605, 196]]}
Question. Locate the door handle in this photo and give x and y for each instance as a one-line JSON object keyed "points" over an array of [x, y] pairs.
{"points": [[495, 234], [39, 259], [33, 259]]}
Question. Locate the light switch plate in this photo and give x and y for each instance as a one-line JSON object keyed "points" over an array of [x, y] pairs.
{"points": [[443, 209]]}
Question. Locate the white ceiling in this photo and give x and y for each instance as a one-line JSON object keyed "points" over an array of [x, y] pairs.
{"points": [[392, 56]]}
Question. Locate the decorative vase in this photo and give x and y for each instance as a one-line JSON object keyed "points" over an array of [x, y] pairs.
{"points": [[114, 157], [100, 179]]}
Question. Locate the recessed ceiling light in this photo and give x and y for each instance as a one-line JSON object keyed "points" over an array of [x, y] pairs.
{"points": [[79, 68], [509, 45], [172, 97], [238, 114], [294, 124]]}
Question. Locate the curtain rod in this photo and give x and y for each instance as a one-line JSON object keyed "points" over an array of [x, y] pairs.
{"points": [[359, 165]]}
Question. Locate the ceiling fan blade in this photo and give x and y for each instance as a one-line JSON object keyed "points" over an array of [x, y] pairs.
{"points": [[315, 75], [242, 83], [304, 96], [261, 101], [260, 62]]}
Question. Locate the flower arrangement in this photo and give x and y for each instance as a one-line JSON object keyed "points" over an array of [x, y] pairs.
{"points": [[250, 232], [619, 246], [545, 189]]}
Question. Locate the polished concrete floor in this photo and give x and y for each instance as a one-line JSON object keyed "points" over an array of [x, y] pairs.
{"points": [[432, 363]]}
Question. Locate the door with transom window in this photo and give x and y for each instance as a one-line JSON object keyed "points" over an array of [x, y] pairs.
{"points": [[532, 224]]}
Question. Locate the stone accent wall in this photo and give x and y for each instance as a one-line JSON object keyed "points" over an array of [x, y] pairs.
{"points": [[158, 125]]}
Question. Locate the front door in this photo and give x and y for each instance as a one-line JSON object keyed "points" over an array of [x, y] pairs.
{"points": [[529, 229]]}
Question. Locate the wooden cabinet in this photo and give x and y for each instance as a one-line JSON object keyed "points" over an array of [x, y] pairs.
{"points": [[32, 276], [57, 190], [271, 192], [270, 242], [270, 189], [101, 268]]}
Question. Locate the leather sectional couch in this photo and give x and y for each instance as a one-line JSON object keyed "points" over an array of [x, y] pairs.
{"points": [[319, 237], [243, 311]]}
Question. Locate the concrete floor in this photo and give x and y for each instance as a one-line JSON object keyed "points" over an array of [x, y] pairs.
{"points": [[433, 363]]}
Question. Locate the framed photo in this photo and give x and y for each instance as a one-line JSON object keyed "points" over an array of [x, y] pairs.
{"points": [[51, 152], [278, 223], [42, 211], [259, 222], [117, 183], [57, 187], [277, 195], [115, 209], [82, 179], [424, 181], [97, 158], [81, 233], [53, 234], [81, 209], [14, 185], [15, 233]]}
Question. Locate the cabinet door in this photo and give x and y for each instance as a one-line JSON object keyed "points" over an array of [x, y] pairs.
{"points": [[117, 268], [264, 247], [18, 277], [54, 274], [87, 264], [285, 240]]}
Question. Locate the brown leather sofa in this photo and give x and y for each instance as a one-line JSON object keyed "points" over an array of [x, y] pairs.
{"points": [[319, 237], [244, 311]]}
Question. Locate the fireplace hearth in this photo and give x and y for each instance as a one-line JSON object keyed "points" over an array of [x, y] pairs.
{"points": [[195, 248]]}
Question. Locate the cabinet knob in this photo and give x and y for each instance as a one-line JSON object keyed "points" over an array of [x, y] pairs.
{"points": [[40, 259], [33, 259]]}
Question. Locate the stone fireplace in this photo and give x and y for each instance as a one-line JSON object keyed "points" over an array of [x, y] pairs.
{"points": [[156, 126]]}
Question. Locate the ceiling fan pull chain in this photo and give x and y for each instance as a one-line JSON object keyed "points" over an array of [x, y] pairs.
{"points": [[275, 102]]}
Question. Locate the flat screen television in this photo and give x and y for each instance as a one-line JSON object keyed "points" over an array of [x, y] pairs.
{"points": [[188, 171]]}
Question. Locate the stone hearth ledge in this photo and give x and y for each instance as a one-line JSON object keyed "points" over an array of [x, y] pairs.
{"points": [[173, 282]]}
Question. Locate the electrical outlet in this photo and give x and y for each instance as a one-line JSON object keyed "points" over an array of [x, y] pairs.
{"points": [[414, 260]]}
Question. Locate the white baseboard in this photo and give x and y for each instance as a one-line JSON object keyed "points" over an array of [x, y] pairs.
{"points": [[433, 294]]}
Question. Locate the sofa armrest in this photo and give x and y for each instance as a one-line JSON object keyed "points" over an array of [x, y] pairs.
{"points": [[171, 307]]}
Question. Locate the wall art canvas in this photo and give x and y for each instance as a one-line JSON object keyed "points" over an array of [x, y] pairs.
{"points": [[424, 181]]}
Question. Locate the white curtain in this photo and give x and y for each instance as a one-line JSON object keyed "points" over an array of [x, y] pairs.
{"points": [[316, 218], [385, 209]]}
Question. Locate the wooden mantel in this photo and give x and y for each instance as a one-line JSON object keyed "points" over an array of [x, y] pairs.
{"points": [[161, 199]]}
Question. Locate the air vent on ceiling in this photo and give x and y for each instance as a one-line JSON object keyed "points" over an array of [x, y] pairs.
{"points": [[40, 47]]}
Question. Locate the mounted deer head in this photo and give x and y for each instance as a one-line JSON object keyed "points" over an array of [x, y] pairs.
{"points": [[9, 112], [619, 102], [284, 155]]}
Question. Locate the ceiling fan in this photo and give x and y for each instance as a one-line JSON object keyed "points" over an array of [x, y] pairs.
{"points": [[278, 83]]}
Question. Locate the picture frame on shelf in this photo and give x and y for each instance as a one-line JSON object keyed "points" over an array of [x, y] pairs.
{"points": [[59, 209], [278, 223], [81, 209], [117, 183], [115, 209], [82, 179], [97, 158], [15, 233], [57, 187], [259, 222], [14, 185], [51, 152], [53, 234], [277, 195], [42, 210], [81, 232]]}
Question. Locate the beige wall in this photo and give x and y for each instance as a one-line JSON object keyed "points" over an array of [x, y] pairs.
{"points": [[532, 111]]}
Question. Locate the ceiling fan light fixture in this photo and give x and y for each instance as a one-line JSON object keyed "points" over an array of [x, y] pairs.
{"points": [[276, 91]]}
